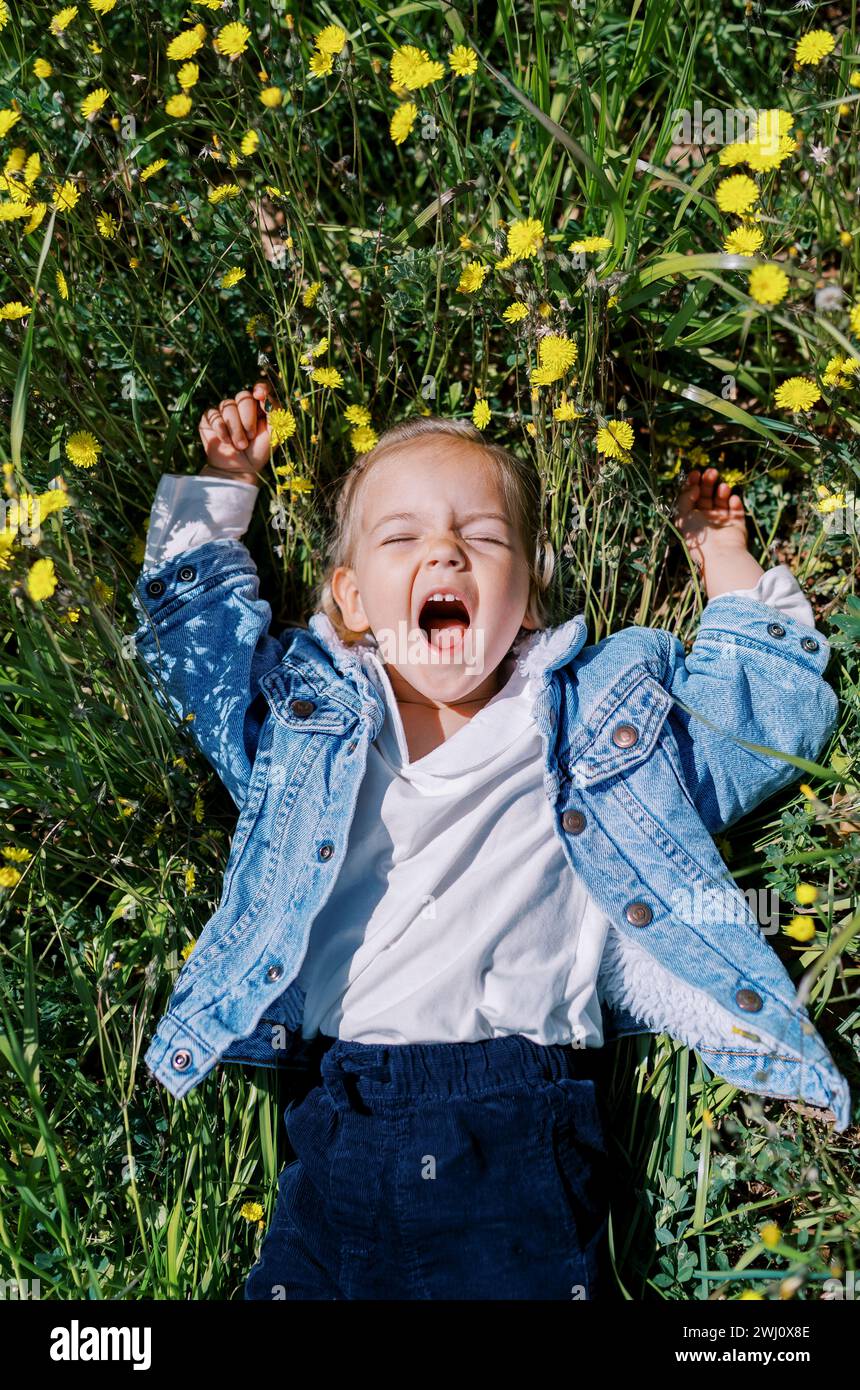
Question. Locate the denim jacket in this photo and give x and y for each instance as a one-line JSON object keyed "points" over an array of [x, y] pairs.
{"points": [[649, 751]]}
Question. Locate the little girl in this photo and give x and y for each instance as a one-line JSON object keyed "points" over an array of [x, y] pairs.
{"points": [[455, 1147]]}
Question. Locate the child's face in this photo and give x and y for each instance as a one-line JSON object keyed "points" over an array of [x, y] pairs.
{"points": [[433, 516]]}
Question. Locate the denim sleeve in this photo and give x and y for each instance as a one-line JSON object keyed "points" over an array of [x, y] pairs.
{"points": [[205, 644], [753, 676]]}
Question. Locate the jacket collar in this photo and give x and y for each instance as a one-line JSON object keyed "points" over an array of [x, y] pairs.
{"points": [[537, 653]]}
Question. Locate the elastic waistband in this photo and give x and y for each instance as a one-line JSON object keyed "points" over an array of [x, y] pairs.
{"points": [[452, 1068]]}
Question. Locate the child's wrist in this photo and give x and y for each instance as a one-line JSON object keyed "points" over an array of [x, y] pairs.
{"points": [[730, 566], [209, 471]]}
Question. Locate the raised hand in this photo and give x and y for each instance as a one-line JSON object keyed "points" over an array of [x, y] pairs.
{"points": [[709, 516], [236, 435]]}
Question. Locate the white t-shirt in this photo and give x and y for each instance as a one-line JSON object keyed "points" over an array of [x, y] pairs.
{"points": [[455, 915]]}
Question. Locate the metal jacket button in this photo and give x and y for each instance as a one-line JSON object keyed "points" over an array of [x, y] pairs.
{"points": [[155, 587], [302, 708], [776, 629], [187, 573], [638, 914], [181, 1059], [573, 822], [809, 644], [274, 972], [326, 850], [748, 999], [623, 735]]}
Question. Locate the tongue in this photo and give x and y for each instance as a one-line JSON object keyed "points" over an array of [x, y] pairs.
{"points": [[442, 631]]}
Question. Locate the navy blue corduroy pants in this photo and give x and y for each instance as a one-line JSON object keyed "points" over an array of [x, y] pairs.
{"points": [[442, 1171]]}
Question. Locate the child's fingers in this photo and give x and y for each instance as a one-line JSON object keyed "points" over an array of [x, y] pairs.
{"points": [[265, 395], [213, 427], [248, 412], [230, 415]]}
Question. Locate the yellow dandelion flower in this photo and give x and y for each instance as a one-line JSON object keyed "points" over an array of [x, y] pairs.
{"points": [[63, 18], [806, 894], [481, 415], [17, 854], [102, 6], [222, 192], [15, 310], [472, 277], [327, 376], [152, 169], [363, 438], [768, 284], [9, 876], [462, 61], [38, 212], [310, 294], [591, 243], [814, 46], [271, 96], [525, 238], [178, 105], [743, 241], [41, 580], [566, 411], [797, 393], [93, 102], [282, 426], [252, 1211], [770, 1235], [801, 928], [737, 193], [250, 141], [32, 169], [402, 121], [413, 68], [515, 312], [107, 226], [615, 439], [83, 449], [331, 40], [187, 75], [232, 39], [42, 68], [232, 277], [62, 285], [556, 355], [833, 372], [8, 117], [321, 64], [186, 44]]}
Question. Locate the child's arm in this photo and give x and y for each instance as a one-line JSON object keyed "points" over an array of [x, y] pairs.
{"points": [[204, 638], [755, 669]]}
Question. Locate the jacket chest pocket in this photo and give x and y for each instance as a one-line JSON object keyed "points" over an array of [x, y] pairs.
{"points": [[303, 706], [622, 731]]}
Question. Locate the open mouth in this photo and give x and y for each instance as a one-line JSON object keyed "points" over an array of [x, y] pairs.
{"points": [[443, 619]]}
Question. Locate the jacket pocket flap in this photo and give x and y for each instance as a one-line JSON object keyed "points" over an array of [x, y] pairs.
{"points": [[300, 705], [622, 731]]}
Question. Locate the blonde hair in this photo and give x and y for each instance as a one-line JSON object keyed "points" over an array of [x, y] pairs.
{"points": [[520, 487]]}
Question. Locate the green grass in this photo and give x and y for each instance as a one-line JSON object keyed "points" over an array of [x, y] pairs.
{"points": [[109, 1188]]}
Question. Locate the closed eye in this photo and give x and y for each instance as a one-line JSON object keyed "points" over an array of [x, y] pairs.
{"points": [[493, 540]]}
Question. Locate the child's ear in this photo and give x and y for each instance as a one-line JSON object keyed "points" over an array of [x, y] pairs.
{"points": [[345, 592], [530, 620]]}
